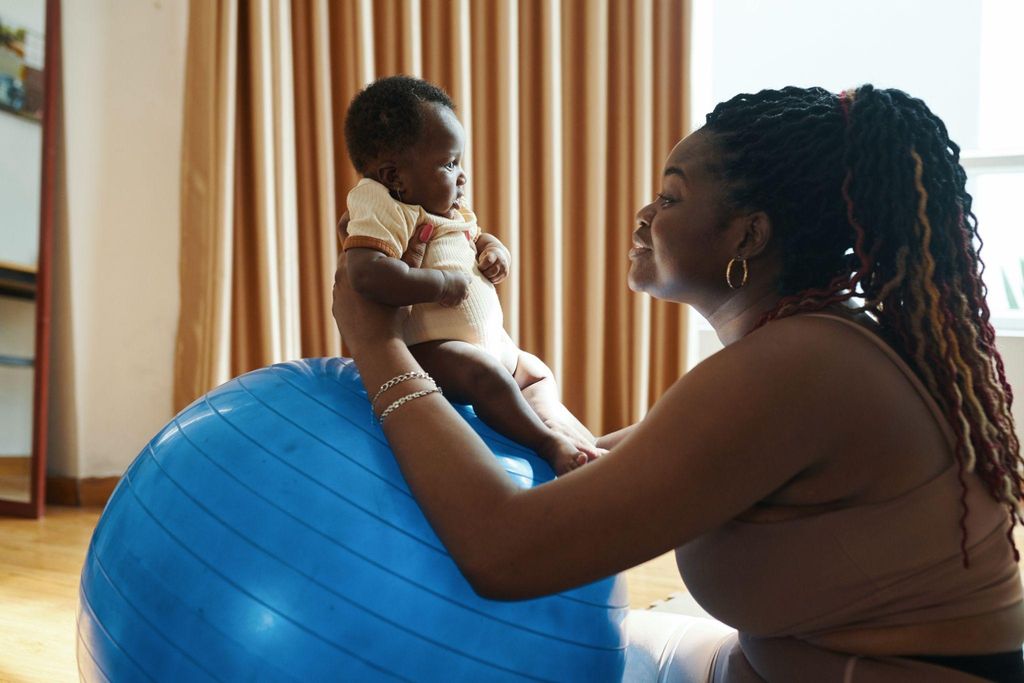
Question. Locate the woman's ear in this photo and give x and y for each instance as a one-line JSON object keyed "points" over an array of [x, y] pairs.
{"points": [[755, 234]]}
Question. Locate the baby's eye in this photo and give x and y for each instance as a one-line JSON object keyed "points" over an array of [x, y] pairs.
{"points": [[451, 165]]}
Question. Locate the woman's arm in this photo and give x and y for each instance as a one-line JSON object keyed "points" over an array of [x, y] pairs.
{"points": [[720, 440]]}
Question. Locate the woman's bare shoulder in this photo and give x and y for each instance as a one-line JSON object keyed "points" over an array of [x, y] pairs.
{"points": [[815, 347], [836, 385], [742, 424]]}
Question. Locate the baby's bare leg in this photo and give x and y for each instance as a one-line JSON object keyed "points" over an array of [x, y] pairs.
{"points": [[468, 375], [539, 389]]}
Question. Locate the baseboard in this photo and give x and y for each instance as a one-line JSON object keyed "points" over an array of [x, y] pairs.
{"points": [[88, 492]]}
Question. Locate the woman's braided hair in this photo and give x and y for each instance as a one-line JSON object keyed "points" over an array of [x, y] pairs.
{"points": [[867, 196]]}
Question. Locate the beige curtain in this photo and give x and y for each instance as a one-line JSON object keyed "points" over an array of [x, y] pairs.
{"points": [[570, 108]]}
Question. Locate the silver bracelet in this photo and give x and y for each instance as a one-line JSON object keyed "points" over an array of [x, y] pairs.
{"points": [[395, 381], [405, 399]]}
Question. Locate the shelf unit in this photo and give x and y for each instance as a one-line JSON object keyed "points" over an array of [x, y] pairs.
{"points": [[17, 281]]}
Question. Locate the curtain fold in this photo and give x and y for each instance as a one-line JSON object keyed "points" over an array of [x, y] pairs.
{"points": [[203, 347], [570, 107], [315, 154]]}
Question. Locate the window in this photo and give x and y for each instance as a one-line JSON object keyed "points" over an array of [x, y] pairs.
{"points": [[963, 57]]}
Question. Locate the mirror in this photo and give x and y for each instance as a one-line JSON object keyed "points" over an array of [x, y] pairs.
{"points": [[29, 56]]}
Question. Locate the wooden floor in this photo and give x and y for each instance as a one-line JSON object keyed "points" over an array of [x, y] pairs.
{"points": [[39, 565], [40, 561]]}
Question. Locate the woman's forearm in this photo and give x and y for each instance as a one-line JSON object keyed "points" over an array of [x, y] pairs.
{"points": [[449, 468]]}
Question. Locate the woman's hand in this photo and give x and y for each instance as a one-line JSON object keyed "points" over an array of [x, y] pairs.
{"points": [[361, 322]]}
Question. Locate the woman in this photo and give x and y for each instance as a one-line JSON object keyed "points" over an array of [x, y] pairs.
{"points": [[840, 481]]}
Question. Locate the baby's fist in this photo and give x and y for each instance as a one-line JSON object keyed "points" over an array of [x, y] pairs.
{"points": [[456, 288], [493, 263]]}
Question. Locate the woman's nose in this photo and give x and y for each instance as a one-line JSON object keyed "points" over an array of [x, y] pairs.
{"points": [[644, 215]]}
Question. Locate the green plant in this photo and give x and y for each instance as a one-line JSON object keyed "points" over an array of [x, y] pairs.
{"points": [[12, 36]]}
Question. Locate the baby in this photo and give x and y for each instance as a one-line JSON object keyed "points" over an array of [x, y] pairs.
{"points": [[404, 139]]}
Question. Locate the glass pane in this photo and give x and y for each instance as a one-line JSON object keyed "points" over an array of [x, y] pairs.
{"points": [[1002, 71], [21, 100], [964, 58], [996, 204], [21, 135]]}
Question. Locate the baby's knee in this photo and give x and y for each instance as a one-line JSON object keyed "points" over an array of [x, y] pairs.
{"points": [[483, 374]]}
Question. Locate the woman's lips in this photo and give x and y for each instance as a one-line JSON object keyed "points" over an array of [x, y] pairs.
{"points": [[640, 247]]}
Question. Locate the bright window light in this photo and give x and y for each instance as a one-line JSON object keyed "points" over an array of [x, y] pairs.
{"points": [[963, 57]]}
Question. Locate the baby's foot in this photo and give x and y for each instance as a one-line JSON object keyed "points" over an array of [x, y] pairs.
{"points": [[562, 454], [570, 428]]}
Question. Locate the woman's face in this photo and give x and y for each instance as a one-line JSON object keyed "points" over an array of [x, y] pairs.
{"points": [[682, 243]]}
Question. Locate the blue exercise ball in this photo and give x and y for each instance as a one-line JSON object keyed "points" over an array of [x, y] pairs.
{"points": [[267, 533]]}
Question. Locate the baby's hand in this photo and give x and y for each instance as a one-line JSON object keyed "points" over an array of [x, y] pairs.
{"points": [[494, 263], [456, 288]]}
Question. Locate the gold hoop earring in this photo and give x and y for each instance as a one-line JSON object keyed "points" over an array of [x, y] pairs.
{"points": [[728, 273]]}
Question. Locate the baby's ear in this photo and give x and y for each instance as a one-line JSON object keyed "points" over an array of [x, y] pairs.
{"points": [[387, 175]]}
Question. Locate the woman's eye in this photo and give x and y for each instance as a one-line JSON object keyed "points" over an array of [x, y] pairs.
{"points": [[665, 200]]}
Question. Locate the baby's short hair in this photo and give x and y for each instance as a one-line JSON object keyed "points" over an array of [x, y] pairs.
{"points": [[386, 117]]}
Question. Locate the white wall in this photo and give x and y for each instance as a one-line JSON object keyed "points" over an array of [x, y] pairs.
{"points": [[116, 269]]}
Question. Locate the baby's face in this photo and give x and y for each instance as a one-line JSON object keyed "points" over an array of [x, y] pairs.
{"points": [[430, 171]]}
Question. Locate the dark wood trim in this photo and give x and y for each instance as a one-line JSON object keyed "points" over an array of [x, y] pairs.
{"points": [[88, 492], [62, 491], [47, 207], [96, 491], [11, 508]]}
